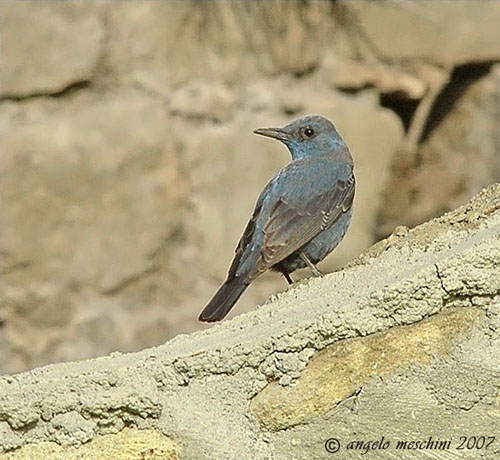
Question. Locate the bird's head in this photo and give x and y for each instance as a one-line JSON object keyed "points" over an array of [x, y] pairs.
{"points": [[309, 136]]}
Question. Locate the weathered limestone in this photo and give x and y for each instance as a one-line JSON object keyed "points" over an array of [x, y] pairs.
{"points": [[403, 343], [46, 48], [128, 166]]}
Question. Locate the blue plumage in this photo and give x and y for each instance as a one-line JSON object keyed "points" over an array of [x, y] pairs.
{"points": [[300, 217]]}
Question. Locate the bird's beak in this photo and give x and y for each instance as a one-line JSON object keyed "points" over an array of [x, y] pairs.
{"points": [[275, 133]]}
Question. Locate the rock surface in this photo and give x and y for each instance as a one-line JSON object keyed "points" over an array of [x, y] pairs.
{"points": [[458, 156], [462, 43], [129, 168], [47, 48], [404, 343]]}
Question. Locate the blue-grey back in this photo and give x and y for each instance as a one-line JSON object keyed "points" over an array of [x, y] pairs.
{"points": [[296, 184]]}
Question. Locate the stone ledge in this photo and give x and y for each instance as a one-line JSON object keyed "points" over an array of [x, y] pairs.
{"points": [[414, 322]]}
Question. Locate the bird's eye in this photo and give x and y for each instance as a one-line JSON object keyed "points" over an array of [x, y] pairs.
{"points": [[309, 132]]}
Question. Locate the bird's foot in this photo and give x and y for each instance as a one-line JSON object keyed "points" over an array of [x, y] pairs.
{"points": [[314, 269]]}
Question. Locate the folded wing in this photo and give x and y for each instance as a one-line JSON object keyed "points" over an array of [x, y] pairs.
{"points": [[287, 222], [291, 226]]}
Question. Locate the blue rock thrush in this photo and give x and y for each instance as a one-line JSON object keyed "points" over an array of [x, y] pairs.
{"points": [[300, 217]]}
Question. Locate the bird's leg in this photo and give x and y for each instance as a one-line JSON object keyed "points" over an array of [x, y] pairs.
{"points": [[288, 278], [314, 269]]}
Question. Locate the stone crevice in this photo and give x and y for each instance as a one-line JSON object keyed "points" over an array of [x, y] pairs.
{"points": [[71, 89]]}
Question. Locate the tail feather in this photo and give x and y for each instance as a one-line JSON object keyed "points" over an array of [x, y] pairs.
{"points": [[223, 300]]}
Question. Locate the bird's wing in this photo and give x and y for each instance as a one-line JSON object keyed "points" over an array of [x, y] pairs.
{"points": [[246, 238], [293, 223], [285, 221]]}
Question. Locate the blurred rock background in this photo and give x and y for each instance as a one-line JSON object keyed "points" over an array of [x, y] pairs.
{"points": [[129, 168]]}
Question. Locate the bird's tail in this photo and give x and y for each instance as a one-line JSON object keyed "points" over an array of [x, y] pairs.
{"points": [[223, 300]]}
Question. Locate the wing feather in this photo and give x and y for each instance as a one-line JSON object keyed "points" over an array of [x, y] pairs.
{"points": [[245, 239], [290, 223], [290, 227]]}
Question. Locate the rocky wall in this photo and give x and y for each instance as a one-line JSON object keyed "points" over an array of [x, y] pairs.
{"points": [[129, 167], [399, 349]]}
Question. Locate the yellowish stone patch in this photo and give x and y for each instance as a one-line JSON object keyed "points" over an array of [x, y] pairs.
{"points": [[337, 371], [128, 444]]}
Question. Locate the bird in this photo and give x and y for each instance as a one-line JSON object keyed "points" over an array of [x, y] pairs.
{"points": [[301, 215]]}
